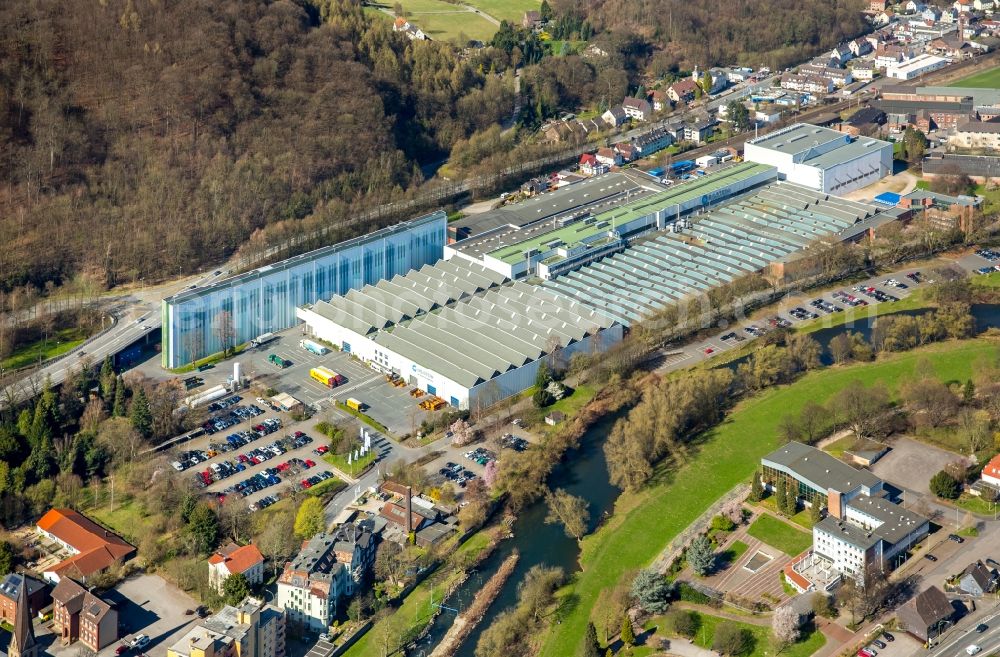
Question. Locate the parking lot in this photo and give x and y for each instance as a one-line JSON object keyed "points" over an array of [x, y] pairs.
{"points": [[147, 604], [907, 457], [798, 309]]}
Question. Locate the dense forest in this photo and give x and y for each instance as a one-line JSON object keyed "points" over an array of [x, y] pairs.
{"points": [[676, 34], [142, 138]]}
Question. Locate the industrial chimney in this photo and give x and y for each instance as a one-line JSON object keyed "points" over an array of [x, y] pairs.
{"points": [[409, 510]]}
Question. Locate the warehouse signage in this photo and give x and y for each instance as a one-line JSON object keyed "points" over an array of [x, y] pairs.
{"points": [[422, 373]]}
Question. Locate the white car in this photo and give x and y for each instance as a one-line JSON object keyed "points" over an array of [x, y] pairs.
{"points": [[973, 649], [140, 642]]}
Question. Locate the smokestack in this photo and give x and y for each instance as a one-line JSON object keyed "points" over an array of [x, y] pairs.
{"points": [[409, 510]]}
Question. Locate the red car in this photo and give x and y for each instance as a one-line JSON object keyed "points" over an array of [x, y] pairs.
{"points": [[310, 463], [299, 434], [322, 449], [306, 484], [282, 466], [709, 350], [242, 458], [121, 650]]}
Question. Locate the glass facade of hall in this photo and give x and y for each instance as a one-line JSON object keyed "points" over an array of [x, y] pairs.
{"points": [[265, 299]]}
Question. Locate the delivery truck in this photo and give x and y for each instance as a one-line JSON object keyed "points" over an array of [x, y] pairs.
{"points": [[314, 347], [326, 376], [279, 361], [355, 405], [263, 339]]}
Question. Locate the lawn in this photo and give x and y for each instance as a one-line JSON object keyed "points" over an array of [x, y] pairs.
{"points": [[987, 80], [732, 553], [976, 505], [367, 419], [444, 21], [128, 518], [645, 522], [56, 345], [328, 487], [339, 461], [987, 280], [780, 535], [808, 645], [511, 11]]}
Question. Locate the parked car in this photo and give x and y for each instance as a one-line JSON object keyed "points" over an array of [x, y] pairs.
{"points": [[930, 557], [880, 644], [956, 538], [140, 642]]}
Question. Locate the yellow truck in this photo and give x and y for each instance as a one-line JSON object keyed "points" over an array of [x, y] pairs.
{"points": [[355, 405], [326, 376]]}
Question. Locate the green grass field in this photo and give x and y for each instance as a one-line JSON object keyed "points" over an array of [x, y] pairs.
{"points": [[443, 21], [56, 345], [339, 461], [645, 522], [986, 80], [511, 11], [780, 535], [806, 646]]}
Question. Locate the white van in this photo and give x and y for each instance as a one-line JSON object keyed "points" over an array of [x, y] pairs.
{"points": [[973, 649]]}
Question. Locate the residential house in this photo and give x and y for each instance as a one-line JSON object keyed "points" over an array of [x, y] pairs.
{"points": [[531, 20], [79, 615], [931, 14], [699, 130], [537, 185], [876, 5], [864, 71], [608, 157], [554, 418], [983, 5], [979, 135], [250, 629], [963, 6], [866, 122], [891, 54], [991, 472], [720, 79], [860, 47], [652, 141], [977, 580], [682, 91], [626, 151], [311, 585], [842, 54], [927, 615], [839, 76], [949, 16], [233, 559], [614, 116], [557, 131], [637, 108], [813, 84], [412, 32], [93, 548], [590, 166], [913, 7], [882, 18], [661, 101], [10, 588]]}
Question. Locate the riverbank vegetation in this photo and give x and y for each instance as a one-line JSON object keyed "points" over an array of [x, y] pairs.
{"points": [[647, 519]]}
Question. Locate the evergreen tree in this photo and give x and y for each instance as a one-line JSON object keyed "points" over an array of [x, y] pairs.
{"points": [[107, 379], [756, 488], [815, 512], [591, 646], [969, 391], [700, 556], [142, 418], [203, 528], [235, 588], [628, 634], [780, 496], [545, 11], [118, 408]]}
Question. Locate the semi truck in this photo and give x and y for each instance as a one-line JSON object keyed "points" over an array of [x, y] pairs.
{"points": [[314, 347], [263, 339], [326, 376], [279, 361]]}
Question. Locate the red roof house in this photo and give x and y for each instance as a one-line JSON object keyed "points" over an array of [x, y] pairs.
{"points": [[991, 473], [232, 559], [94, 548]]}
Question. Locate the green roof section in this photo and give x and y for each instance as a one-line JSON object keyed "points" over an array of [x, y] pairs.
{"points": [[681, 193]]}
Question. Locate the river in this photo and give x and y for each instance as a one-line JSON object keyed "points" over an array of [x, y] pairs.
{"points": [[583, 472]]}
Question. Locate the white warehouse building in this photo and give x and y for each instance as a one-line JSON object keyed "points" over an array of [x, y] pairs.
{"points": [[823, 159], [459, 330]]}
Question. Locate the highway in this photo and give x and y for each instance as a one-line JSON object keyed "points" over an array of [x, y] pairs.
{"points": [[134, 316]]}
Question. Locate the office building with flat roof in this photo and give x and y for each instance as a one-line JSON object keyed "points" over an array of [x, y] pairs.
{"points": [[202, 321]]}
